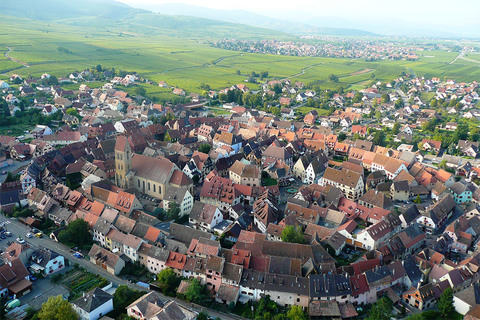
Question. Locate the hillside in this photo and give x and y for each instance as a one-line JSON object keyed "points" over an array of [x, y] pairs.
{"points": [[119, 17], [253, 19]]}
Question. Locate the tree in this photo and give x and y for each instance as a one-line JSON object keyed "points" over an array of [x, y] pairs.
{"points": [[57, 309], [167, 137], [173, 212], [292, 234], [378, 138], [417, 316], [99, 68], [381, 310], [378, 115], [76, 234], [167, 281], [417, 199], [195, 179], [265, 308], [443, 164], [205, 148], [445, 303], [429, 125], [203, 315], [399, 103], [333, 78], [11, 177], [396, 127], [461, 133], [124, 296], [72, 111], [277, 88], [385, 98], [296, 313], [358, 97], [195, 291], [140, 91]]}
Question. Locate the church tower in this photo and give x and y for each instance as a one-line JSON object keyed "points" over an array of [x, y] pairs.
{"points": [[123, 161]]}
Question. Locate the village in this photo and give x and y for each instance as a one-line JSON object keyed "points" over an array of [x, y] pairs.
{"points": [[330, 201], [326, 46]]}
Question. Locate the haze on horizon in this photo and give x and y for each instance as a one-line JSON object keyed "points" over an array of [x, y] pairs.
{"points": [[372, 15]]}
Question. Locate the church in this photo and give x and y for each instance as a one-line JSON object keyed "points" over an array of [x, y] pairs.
{"points": [[150, 176]]}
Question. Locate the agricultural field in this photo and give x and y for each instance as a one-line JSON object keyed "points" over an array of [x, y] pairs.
{"points": [[60, 49]]}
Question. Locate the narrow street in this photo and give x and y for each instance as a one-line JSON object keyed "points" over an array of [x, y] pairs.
{"points": [[18, 229]]}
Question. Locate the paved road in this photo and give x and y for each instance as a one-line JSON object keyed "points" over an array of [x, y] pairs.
{"points": [[460, 56], [19, 229], [13, 168], [436, 160]]}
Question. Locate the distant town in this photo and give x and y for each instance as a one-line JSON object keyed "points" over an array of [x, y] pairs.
{"points": [[370, 50], [291, 200]]}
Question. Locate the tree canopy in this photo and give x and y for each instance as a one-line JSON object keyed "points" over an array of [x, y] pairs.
{"points": [[381, 310], [293, 234], [445, 303], [76, 234], [205, 148], [195, 291], [173, 212], [167, 281], [55, 308], [124, 296]]}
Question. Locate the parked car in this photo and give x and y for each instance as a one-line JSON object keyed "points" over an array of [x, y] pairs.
{"points": [[8, 233], [29, 235], [78, 255], [39, 235], [3, 236], [20, 240]]}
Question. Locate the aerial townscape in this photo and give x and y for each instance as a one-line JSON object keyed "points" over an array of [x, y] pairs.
{"points": [[159, 166]]}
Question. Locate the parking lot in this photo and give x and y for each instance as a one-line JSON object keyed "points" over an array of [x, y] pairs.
{"points": [[15, 168], [42, 290]]}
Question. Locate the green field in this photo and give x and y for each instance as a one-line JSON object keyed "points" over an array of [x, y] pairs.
{"points": [[188, 63]]}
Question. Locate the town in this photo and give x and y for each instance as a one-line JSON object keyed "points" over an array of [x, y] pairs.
{"points": [[324, 204], [370, 50]]}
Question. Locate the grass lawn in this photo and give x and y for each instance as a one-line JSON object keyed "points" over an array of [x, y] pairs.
{"points": [[218, 111]]}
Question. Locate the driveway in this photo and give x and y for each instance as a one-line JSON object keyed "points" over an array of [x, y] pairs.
{"points": [[19, 229]]}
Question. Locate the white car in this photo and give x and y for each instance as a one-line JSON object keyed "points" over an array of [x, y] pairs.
{"points": [[20, 240], [29, 235]]}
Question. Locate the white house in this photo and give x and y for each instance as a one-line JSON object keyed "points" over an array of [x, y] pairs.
{"points": [[27, 182], [181, 196], [93, 305], [49, 109], [131, 244], [205, 216], [47, 262]]}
